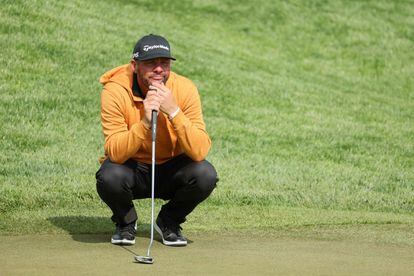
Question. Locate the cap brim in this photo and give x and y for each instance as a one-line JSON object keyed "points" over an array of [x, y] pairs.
{"points": [[155, 56]]}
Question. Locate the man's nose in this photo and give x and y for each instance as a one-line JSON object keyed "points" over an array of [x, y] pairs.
{"points": [[158, 68]]}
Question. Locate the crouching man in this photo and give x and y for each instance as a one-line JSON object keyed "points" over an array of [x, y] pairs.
{"points": [[182, 176]]}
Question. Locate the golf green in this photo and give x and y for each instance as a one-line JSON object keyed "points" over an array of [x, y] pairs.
{"points": [[228, 254]]}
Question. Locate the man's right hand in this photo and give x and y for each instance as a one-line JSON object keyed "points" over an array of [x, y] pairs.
{"points": [[152, 102]]}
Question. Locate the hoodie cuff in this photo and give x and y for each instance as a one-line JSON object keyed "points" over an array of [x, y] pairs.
{"points": [[179, 120]]}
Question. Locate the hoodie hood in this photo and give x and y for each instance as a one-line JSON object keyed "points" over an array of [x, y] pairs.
{"points": [[121, 75]]}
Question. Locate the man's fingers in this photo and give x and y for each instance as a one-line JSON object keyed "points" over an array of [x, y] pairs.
{"points": [[152, 93], [152, 101], [162, 96], [152, 88], [155, 107], [159, 94], [158, 85], [156, 89]]}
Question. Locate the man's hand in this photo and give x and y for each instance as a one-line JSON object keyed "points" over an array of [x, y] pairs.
{"points": [[152, 102], [168, 104]]}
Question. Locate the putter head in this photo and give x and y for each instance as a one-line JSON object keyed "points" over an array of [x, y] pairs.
{"points": [[144, 259]]}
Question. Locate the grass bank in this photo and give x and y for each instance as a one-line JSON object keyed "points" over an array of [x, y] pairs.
{"points": [[309, 105]]}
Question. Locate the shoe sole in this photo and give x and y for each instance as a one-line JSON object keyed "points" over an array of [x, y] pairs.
{"points": [[169, 243], [123, 242]]}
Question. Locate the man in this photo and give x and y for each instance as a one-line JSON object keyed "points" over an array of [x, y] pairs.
{"points": [[182, 175]]}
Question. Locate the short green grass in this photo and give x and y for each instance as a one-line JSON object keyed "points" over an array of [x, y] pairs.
{"points": [[309, 104]]}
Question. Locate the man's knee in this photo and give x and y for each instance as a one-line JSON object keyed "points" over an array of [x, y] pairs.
{"points": [[206, 177], [112, 177]]}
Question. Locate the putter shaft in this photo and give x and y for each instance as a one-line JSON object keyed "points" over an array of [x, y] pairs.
{"points": [[154, 135], [152, 197], [148, 259]]}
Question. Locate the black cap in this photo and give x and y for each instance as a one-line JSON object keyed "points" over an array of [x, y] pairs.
{"points": [[152, 46]]}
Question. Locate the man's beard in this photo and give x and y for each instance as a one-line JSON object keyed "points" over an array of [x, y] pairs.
{"points": [[147, 81]]}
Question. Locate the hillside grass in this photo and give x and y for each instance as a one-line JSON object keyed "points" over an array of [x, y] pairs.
{"points": [[309, 104]]}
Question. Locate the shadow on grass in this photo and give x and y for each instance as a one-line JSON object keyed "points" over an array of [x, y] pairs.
{"points": [[90, 229]]}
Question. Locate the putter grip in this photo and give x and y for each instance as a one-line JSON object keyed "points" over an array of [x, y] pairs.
{"points": [[154, 124]]}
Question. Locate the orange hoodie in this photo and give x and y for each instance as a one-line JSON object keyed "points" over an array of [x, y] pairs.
{"points": [[126, 136]]}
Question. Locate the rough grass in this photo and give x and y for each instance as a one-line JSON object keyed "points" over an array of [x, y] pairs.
{"points": [[309, 104]]}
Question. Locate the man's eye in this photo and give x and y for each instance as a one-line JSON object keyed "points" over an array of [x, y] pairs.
{"points": [[155, 63]]}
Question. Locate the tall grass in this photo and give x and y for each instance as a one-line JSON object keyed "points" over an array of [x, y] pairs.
{"points": [[309, 103]]}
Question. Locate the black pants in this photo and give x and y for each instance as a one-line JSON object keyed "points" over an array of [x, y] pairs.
{"points": [[182, 181]]}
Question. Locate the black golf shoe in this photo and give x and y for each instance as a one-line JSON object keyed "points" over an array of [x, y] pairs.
{"points": [[124, 235], [170, 233]]}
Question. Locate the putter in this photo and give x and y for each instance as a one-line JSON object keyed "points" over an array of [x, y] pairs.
{"points": [[148, 259]]}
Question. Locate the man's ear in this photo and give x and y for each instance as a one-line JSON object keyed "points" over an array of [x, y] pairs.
{"points": [[134, 66]]}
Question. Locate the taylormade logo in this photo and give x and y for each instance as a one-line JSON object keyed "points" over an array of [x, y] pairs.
{"points": [[148, 47]]}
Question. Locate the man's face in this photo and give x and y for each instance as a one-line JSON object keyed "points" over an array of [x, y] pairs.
{"points": [[152, 70]]}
